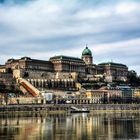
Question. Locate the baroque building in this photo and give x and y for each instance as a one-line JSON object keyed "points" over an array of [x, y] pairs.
{"points": [[113, 71], [51, 69], [27, 63], [68, 64]]}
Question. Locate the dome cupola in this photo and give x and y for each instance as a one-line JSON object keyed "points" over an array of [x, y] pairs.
{"points": [[86, 51], [87, 56]]}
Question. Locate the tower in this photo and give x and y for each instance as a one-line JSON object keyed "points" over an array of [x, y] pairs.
{"points": [[87, 56]]}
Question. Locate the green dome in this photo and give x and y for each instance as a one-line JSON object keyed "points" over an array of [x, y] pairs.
{"points": [[86, 51]]}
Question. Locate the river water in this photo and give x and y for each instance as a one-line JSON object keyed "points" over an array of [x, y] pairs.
{"points": [[96, 126]]}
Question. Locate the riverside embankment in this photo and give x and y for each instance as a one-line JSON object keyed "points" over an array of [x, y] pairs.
{"points": [[66, 107]]}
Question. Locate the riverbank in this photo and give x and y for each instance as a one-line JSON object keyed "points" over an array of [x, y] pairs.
{"points": [[47, 108]]}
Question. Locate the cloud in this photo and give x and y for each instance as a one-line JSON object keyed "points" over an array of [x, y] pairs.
{"points": [[44, 28], [125, 8]]}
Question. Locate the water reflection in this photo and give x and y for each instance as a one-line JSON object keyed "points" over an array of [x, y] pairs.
{"points": [[71, 127]]}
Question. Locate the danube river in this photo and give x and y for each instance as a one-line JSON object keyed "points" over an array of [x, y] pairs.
{"points": [[96, 126]]}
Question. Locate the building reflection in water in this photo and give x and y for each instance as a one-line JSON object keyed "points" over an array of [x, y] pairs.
{"points": [[71, 127]]}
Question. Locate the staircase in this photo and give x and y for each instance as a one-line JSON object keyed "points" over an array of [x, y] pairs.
{"points": [[26, 86]]}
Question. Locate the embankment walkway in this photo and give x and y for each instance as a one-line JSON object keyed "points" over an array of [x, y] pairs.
{"points": [[66, 107]]}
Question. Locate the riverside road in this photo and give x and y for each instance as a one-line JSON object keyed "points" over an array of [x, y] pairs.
{"points": [[66, 107]]}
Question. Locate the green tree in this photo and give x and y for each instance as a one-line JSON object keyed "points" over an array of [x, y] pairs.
{"points": [[133, 78]]}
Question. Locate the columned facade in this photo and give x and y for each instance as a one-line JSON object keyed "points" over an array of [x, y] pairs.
{"points": [[53, 83], [68, 64]]}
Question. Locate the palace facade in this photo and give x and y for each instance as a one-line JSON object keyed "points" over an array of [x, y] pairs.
{"points": [[66, 64], [113, 71]]}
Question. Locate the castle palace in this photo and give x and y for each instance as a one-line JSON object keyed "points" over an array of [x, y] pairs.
{"points": [[84, 66]]}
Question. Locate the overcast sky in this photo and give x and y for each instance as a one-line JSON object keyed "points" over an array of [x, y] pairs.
{"points": [[44, 28]]}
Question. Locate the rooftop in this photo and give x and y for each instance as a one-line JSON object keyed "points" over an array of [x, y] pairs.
{"points": [[112, 64], [67, 58]]}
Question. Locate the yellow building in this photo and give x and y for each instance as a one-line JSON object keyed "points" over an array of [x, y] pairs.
{"points": [[96, 96], [102, 96], [136, 93]]}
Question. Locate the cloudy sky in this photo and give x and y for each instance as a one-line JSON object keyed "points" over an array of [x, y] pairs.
{"points": [[44, 28]]}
